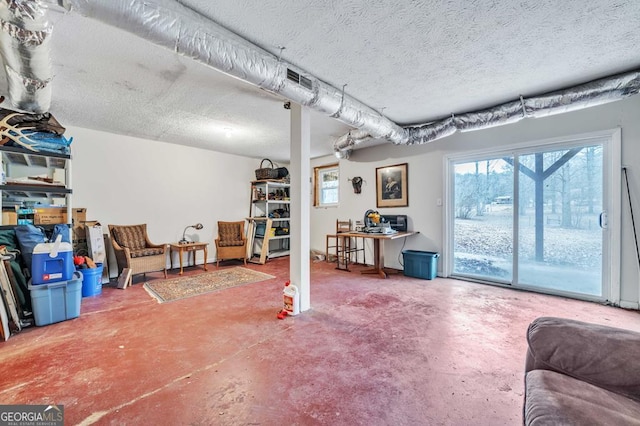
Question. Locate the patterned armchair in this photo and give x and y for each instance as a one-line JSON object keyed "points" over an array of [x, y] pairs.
{"points": [[231, 242], [134, 250]]}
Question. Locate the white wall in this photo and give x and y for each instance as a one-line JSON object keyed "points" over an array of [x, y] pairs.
{"points": [[126, 180], [426, 179]]}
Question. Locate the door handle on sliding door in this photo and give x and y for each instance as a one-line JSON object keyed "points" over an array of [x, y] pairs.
{"points": [[603, 220]]}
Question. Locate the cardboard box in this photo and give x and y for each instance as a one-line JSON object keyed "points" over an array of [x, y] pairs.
{"points": [[80, 228], [95, 243], [9, 218], [79, 237], [97, 248], [50, 215], [54, 215], [78, 216]]}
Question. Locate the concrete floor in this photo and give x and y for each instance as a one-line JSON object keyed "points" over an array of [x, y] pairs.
{"points": [[400, 351]]}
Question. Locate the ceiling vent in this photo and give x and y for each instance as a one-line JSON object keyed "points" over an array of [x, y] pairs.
{"points": [[300, 79]]}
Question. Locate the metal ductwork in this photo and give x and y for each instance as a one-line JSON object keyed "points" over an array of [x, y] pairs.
{"points": [[586, 95], [170, 24], [24, 45]]}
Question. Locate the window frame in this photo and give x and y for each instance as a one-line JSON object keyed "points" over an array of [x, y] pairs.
{"points": [[317, 171], [611, 140]]}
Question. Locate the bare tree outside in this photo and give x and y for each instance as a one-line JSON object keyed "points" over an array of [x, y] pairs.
{"points": [[560, 198]]}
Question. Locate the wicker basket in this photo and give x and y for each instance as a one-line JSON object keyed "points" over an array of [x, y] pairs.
{"points": [[266, 173]]}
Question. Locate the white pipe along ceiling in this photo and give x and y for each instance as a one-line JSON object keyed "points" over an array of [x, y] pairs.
{"points": [[168, 23]]}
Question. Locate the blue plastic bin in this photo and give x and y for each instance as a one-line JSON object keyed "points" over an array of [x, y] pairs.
{"points": [[56, 302], [420, 264], [92, 281]]}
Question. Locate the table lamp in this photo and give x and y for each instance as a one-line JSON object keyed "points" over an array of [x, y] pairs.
{"points": [[184, 239]]}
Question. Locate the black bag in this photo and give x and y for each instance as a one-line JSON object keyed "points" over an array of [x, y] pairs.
{"points": [[282, 172]]}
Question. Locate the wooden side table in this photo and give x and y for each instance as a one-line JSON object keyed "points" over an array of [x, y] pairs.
{"points": [[189, 248]]}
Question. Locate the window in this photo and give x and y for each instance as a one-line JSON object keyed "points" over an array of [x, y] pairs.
{"points": [[326, 186]]}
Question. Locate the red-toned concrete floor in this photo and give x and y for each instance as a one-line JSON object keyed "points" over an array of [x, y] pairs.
{"points": [[399, 351]]}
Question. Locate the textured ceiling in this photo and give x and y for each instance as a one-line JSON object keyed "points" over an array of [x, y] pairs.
{"points": [[423, 60], [416, 61]]}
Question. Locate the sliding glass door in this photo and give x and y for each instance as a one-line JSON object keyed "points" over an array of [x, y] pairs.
{"points": [[483, 210], [559, 220], [534, 218]]}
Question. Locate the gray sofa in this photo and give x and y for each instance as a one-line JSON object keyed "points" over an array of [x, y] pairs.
{"points": [[581, 374]]}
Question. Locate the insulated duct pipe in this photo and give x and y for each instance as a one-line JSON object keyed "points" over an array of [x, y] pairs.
{"points": [[170, 24], [24, 45], [586, 95]]}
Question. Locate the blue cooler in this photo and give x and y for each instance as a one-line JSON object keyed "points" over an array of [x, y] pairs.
{"points": [[52, 262]]}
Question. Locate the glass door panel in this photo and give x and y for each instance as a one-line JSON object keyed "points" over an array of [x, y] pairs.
{"points": [[559, 233], [483, 219]]}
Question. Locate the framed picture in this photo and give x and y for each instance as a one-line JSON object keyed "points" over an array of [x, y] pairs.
{"points": [[392, 186]]}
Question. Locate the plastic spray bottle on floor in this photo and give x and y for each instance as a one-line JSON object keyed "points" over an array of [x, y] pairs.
{"points": [[291, 299]]}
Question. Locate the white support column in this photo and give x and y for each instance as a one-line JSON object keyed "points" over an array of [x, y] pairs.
{"points": [[299, 259]]}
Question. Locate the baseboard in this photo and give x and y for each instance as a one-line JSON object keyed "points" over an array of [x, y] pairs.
{"points": [[629, 305]]}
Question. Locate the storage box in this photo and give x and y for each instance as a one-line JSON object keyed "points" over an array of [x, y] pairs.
{"points": [[50, 215], [80, 228], [78, 216], [420, 264], [97, 248], [79, 238], [54, 215], [9, 218], [95, 243], [57, 301], [49, 265]]}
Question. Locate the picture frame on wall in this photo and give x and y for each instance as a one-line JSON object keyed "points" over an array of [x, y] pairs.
{"points": [[392, 186]]}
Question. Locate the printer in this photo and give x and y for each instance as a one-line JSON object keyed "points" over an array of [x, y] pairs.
{"points": [[398, 222]]}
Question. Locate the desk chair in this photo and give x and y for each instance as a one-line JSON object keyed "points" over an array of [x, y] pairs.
{"points": [[345, 247]]}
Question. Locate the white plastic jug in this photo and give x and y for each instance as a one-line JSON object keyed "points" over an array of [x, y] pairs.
{"points": [[291, 299]]}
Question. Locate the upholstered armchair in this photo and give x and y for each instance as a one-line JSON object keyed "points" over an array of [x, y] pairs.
{"points": [[231, 242], [134, 250]]}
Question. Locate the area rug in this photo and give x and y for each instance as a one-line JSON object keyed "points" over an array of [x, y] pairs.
{"points": [[194, 285]]}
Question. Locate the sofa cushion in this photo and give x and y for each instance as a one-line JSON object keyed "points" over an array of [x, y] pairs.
{"points": [[153, 251], [555, 399], [233, 243], [601, 355], [132, 237]]}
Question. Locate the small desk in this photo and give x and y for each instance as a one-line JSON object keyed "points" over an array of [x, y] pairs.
{"points": [[378, 251], [188, 247]]}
